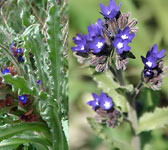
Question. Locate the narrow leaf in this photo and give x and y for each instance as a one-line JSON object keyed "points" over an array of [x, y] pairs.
{"points": [[12, 130], [55, 49]]}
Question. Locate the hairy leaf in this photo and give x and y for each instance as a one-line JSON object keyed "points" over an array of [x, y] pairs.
{"points": [[55, 49], [52, 117], [153, 120], [19, 83]]}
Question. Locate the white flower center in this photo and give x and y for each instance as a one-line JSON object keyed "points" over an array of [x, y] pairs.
{"points": [[99, 44], [149, 63], [108, 12], [82, 48], [120, 45], [22, 98], [77, 38], [124, 37], [107, 105]]}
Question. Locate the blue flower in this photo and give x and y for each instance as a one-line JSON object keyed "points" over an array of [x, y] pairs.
{"points": [[96, 44], [102, 101], [23, 98], [96, 29], [121, 45], [122, 39], [96, 41], [19, 50], [105, 101], [81, 43], [38, 82], [125, 35], [152, 57], [111, 11], [148, 73], [5, 71], [20, 59], [95, 102]]}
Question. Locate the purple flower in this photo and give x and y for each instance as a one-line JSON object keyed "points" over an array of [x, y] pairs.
{"points": [[152, 57], [105, 101], [5, 71], [121, 45], [95, 102], [10, 47], [20, 59], [81, 43], [96, 30], [96, 44], [23, 98], [102, 101], [38, 82], [125, 35], [111, 11], [19, 50]]}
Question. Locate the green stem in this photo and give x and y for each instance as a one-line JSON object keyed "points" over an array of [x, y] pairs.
{"points": [[15, 62], [132, 115]]}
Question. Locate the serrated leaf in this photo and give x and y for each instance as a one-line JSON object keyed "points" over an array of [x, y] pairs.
{"points": [[52, 118], [55, 49], [108, 85], [19, 83], [153, 120]]}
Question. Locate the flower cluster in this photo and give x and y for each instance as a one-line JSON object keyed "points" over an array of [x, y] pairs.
{"points": [[104, 107], [106, 37], [153, 70], [16, 52]]}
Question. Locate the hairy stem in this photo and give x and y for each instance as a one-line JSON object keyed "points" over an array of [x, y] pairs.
{"points": [[132, 115]]}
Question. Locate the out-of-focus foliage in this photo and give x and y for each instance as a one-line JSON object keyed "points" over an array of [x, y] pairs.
{"points": [[153, 28]]}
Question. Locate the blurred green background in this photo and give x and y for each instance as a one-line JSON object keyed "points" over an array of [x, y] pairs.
{"points": [[153, 28]]}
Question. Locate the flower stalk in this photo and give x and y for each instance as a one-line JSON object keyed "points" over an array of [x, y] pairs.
{"points": [[132, 114]]}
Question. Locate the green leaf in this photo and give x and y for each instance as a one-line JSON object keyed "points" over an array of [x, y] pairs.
{"points": [[65, 127], [53, 119], [153, 120], [17, 141], [108, 85], [19, 83], [125, 89], [98, 129], [12, 130], [55, 49]]}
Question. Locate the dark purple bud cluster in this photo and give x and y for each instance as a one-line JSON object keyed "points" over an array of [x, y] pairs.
{"points": [[105, 111], [153, 70], [106, 37]]}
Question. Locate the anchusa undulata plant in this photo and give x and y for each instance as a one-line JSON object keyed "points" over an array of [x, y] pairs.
{"points": [[33, 75], [106, 49]]}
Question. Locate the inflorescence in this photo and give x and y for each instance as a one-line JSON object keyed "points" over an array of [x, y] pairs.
{"points": [[105, 110], [108, 42], [107, 39]]}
